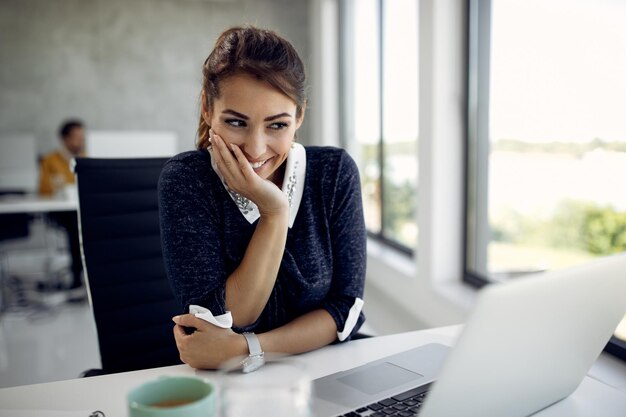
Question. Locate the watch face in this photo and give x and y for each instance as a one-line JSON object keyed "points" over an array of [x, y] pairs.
{"points": [[252, 363]]}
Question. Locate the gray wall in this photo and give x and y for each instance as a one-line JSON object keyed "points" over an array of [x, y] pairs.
{"points": [[120, 64]]}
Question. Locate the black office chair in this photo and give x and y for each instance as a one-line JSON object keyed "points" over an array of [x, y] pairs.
{"points": [[130, 294]]}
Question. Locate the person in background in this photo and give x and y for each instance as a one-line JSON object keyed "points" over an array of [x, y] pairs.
{"points": [[260, 234], [56, 178]]}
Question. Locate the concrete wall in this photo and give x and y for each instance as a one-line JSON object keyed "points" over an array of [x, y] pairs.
{"points": [[118, 64]]}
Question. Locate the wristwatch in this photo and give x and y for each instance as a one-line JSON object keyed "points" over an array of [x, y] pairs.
{"points": [[255, 359]]}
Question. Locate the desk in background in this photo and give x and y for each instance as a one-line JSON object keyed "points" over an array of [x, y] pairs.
{"points": [[32, 204], [107, 393], [29, 204]]}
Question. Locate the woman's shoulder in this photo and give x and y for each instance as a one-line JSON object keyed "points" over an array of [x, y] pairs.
{"points": [[190, 158], [323, 151], [194, 163], [330, 171], [329, 159], [326, 155]]}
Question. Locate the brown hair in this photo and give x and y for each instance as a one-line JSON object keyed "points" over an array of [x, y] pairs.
{"points": [[258, 52], [69, 125]]}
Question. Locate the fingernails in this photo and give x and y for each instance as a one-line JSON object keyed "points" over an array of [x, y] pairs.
{"points": [[175, 319], [232, 146]]}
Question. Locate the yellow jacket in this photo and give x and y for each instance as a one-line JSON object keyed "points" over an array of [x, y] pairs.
{"points": [[55, 173]]}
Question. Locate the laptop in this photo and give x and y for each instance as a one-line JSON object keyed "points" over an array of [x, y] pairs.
{"points": [[528, 344]]}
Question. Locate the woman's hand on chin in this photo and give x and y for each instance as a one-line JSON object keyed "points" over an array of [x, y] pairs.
{"points": [[241, 178]]}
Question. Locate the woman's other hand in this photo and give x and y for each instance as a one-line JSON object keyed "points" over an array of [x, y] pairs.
{"points": [[240, 177], [209, 346]]}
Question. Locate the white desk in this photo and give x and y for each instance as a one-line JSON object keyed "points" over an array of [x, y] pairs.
{"points": [[107, 393], [35, 204]]}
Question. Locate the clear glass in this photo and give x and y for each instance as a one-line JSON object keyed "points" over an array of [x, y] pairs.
{"points": [[382, 111], [365, 77], [557, 134], [400, 121], [280, 388]]}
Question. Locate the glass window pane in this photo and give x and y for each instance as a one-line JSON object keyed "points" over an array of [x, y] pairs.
{"points": [[557, 133], [400, 120], [366, 112]]}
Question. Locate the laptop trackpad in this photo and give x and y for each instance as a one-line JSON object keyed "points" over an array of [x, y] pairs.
{"points": [[379, 378]]}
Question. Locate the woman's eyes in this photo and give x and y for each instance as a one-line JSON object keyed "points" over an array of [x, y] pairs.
{"points": [[278, 125], [236, 122], [242, 123]]}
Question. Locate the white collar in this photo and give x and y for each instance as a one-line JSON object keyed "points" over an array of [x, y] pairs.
{"points": [[293, 186]]}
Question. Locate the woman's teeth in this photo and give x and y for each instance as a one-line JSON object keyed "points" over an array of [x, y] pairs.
{"points": [[257, 165]]}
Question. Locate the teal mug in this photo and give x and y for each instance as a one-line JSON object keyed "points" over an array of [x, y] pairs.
{"points": [[175, 396]]}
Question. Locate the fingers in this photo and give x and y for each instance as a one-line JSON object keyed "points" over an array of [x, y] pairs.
{"points": [[232, 164], [179, 336], [226, 163], [246, 169], [223, 155], [189, 320]]}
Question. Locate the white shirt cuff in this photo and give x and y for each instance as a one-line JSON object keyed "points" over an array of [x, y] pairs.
{"points": [[353, 317], [225, 321]]}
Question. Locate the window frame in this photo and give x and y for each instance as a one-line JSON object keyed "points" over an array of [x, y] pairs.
{"points": [[477, 111], [476, 175]]}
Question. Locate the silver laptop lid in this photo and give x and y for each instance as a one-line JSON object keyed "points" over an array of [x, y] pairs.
{"points": [[530, 342]]}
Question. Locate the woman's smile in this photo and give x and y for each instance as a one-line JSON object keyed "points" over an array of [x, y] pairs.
{"points": [[256, 166]]}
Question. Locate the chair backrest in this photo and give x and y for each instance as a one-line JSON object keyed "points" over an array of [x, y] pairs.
{"points": [[129, 292]]}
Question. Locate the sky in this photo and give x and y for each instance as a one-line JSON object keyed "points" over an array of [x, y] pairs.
{"points": [[558, 70], [400, 71]]}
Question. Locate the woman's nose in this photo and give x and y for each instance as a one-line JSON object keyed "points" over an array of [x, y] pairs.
{"points": [[255, 145]]}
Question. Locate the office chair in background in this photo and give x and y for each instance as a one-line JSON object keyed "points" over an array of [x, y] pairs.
{"points": [[129, 292]]}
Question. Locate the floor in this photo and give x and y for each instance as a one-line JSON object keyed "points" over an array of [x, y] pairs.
{"points": [[57, 340], [47, 346], [43, 338]]}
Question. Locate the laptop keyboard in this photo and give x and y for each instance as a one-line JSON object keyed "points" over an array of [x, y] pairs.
{"points": [[406, 404]]}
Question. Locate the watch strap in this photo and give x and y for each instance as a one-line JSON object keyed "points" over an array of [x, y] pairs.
{"points": [[254, 346], [256, 358]]}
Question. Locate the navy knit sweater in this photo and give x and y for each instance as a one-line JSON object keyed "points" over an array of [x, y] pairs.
{"points": [[205, 236]]}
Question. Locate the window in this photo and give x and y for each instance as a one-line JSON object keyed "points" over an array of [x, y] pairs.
{"points": [[547, 135], [379, 112]]}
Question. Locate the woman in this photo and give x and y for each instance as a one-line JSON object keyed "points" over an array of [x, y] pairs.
{"points": [[260, 235]]}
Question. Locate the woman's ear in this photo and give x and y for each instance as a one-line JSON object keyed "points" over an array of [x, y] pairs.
{"points": [[204, 109]]}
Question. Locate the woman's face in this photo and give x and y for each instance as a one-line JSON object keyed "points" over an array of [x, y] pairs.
{"points": [[258, 118]]}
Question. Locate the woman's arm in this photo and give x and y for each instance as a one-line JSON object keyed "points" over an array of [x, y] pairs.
{"points": [[348, 240], [209, 346], [308, 332], [250, 285]]}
